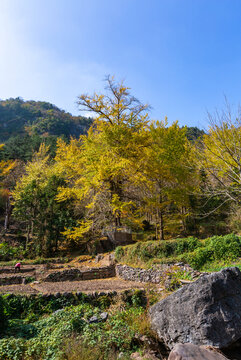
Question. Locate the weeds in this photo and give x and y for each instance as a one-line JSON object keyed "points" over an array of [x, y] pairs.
{"points": [[197, 253]]}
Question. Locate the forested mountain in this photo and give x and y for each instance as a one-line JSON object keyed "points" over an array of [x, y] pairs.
{"points": [[24, 125], [18, 117], [193, 133]]}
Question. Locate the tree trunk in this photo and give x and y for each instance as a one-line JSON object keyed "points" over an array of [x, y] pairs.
{"points": [[183, 212], [7, 214], [27, 237], [161, 226], [117, 219]]}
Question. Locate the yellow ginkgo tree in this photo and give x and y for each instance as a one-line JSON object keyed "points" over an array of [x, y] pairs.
{"points": [[219, 155], [99, 165], [164, 174]]}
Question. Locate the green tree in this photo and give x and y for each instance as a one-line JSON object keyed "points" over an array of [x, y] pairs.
{"points": [[35, 204]]}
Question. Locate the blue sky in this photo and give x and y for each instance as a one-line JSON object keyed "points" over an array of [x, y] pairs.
{"points": [[180, 56]]}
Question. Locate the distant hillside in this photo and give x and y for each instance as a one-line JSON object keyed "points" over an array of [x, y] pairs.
{"points": [[24, 125], [19, 117]]}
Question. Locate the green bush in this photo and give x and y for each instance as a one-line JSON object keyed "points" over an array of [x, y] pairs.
{"points": [[200, 257], [226, 247], [119, 253], [190, 250], [187, 245], [45, 338], [3, 318], [24, 307], [8, 252]]}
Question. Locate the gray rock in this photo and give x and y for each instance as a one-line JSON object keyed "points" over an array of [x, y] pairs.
{"points": [[58, 311], [190, 351], [148, 355], [205, 312], [104, 316], [93, 319], [98, 258]]}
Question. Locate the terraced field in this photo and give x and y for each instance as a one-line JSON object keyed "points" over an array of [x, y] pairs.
{"points": [[43, 279]]}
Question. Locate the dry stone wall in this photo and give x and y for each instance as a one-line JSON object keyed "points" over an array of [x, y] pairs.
{"points": [[8, 270], [81, 274], [12, 280], [141, 275], [164, 274]]}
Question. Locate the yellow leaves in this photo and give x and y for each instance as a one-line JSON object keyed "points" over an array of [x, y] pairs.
{"points": [[38, 170], [123, 207], [77, 233], [221, 153], [6, 166], [69, 157]]}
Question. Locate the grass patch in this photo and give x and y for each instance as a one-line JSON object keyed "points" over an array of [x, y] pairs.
{"points": [[200, 254]]}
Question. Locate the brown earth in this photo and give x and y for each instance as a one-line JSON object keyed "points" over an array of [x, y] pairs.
{"points": [[38, 272], [89, 286]]}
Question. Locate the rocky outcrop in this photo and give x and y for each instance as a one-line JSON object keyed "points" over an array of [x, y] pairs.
{"points": [[190, 351], [206, 312]]}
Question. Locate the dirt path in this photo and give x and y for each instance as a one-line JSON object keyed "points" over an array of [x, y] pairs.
{"points": [[17, 289], [89, 286]]}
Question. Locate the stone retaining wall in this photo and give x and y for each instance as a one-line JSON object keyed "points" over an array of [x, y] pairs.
{"points": [[141, 275], [12, 280], [81, 274], [8, 270], [156, 276]]}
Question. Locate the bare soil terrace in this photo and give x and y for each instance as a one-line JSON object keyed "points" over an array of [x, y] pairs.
{"points": [[89, 286], [37, 273]]}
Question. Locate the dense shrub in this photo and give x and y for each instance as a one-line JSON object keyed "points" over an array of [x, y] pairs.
{"points": [[8, 252], [187, 245], [45, 337], [3, 319], [24, 307], [145, 251], [119, 253], [199, 257], [226, 247], [190, 250]]}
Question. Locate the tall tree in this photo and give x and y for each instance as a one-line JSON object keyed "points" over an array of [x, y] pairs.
{"points": [[220, 155], [35, 204], [105, 156], [165, 173]]}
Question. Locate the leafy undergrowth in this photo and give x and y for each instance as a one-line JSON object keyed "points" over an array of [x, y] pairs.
{"points": [[32, 330], [209, 254]]}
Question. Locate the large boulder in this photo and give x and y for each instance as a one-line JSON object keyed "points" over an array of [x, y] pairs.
{"points": [[206, 312], [191, 352]]}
